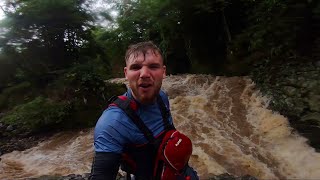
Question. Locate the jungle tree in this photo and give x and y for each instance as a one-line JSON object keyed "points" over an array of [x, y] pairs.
{"points": [[45, 35]]}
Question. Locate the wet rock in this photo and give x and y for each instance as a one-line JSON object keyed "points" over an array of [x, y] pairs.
{"points": [[1, 125], [10, 141], [294, 88], [247, 177], [84, 176], [9, 128], [227, 176], [45, 178], [2, 115]]}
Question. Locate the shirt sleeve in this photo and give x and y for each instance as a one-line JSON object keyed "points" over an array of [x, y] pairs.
{"points": [[108, 137], [105, 166], [189, 171]]}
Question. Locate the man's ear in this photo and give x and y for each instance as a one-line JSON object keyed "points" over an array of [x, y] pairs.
{"points": [[125, 72], [164, 72]]}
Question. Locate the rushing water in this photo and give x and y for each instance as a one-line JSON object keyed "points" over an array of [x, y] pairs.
{"points": [[231, 128]]}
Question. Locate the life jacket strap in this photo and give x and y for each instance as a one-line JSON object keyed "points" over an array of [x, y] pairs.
{"points": [[165, 114], [124, 104], [129, 107]]}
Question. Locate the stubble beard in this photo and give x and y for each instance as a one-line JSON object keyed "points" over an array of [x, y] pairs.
{"points": [[148, 98]]}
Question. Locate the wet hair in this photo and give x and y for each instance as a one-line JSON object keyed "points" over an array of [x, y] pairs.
{"points": [[141, 47]]}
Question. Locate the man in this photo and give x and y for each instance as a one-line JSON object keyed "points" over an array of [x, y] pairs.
{"points": [[115, 131]]}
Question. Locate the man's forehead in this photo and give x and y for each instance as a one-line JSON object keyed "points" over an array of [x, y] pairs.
{"points": [[142, 56]]}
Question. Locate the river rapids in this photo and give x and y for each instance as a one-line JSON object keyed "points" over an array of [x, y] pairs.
{"points": [[227, 119]]}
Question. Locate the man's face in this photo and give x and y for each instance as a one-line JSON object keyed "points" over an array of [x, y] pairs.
{"points": [[145, 75]]}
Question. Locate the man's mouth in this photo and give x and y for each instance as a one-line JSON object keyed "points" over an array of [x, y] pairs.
{"points": [[145, 85]]}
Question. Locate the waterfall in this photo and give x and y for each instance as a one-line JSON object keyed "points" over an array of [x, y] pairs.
{"points": [[227, 119]]}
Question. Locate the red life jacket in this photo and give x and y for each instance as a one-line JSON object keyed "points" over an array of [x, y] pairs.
{"points": [[173, 156], [170, 151]]}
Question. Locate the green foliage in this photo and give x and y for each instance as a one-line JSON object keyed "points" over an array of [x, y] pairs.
{"points": [[86, 92], [16, 95], [38, 115], [184, 31], [74, 100], [274, 31], [113, 48], [7, 70], [46, 35], [83, 79], [277, 29]]}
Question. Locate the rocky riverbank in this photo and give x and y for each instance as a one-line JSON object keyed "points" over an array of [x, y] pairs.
{"points": [[10, 140], [294, 88]]}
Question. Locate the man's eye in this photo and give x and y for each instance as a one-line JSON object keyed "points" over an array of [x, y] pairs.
{"points": [[135, 67], [154, 66]]}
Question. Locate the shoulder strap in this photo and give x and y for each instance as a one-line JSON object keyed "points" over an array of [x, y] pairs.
{"points": [[124, 104], [165, 114]]}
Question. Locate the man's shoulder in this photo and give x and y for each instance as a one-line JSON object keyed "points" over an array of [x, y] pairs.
{"points": [[163, 94], [111, 116], [164, 97]]}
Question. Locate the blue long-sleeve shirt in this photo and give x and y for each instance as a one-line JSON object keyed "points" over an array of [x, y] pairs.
{"points": [[115, 130]]}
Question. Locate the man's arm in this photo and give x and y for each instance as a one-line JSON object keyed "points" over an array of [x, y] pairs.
{"points": [[108, 144], [105, 166], [189, 171]]}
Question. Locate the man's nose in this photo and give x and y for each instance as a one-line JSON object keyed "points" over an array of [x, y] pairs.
{"points": [[144, 72]]}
